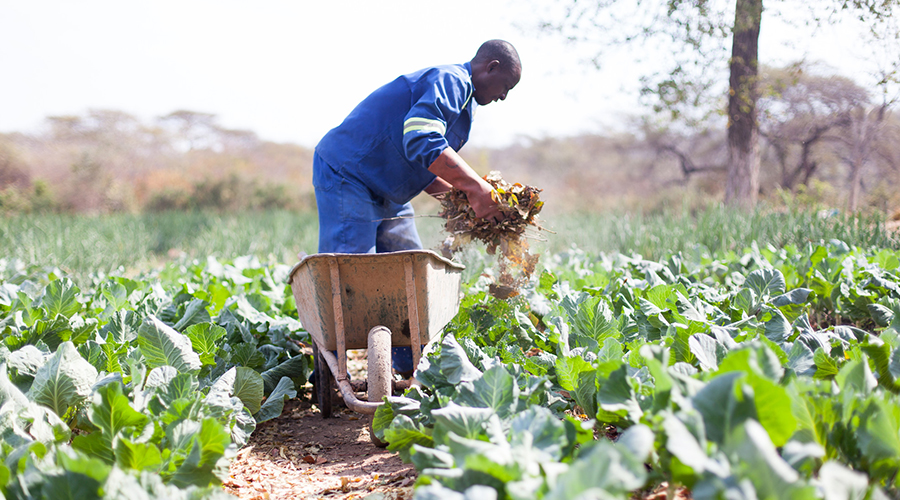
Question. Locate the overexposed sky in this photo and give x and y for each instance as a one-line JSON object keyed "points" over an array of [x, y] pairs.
{"points": [[291, 70]]}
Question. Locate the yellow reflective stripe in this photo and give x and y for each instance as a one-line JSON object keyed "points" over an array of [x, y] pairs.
{"points": [[425, 124]]}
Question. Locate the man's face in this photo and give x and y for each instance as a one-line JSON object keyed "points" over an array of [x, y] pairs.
{"points": [[493, 82]]}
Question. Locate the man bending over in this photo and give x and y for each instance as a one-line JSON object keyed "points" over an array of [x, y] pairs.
{"points": [[399, 141]]}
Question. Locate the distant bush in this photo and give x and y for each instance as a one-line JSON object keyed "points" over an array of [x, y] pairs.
{"points": [[816, 195], [219, 193], [169, 199], [269, 196], [227, 194], [36, 198]]}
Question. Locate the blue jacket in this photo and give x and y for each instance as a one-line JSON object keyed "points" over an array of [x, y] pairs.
{"points": [[392, 136]]}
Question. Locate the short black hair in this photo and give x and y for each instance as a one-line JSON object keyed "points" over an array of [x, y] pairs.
{"points": [[500, 50]]}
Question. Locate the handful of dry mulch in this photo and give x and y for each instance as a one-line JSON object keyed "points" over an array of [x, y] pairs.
{"points": [[520, 206]]}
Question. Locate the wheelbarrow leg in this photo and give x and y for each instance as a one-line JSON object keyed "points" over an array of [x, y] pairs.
{"points": [[379, 372], [324, 382]]}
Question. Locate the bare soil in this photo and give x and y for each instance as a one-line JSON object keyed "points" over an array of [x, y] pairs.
{"points": [[302, 455]]}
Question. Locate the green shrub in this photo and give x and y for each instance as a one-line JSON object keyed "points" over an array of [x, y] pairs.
{"points": [[36, 199], [169, 199]]}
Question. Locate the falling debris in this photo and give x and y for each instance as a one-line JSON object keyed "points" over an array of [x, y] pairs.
{"points": [[521, 205]]}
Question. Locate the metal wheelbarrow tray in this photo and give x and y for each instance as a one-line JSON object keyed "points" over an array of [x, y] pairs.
{"points": [[373, 301]]}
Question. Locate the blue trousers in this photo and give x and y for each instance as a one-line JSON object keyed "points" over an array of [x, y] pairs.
{"points": [[352, 219]]}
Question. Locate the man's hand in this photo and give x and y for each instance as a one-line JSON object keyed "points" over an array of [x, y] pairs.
{"points": [[451, 168], [484, 204]]}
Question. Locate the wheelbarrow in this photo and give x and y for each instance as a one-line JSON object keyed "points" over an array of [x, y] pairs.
{"points": [[374, 302]]}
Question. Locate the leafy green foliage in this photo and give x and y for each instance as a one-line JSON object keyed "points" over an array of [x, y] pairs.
{"points": [[150, 374], [770, 372], [64, 380], [162, 345], [738, 376]]}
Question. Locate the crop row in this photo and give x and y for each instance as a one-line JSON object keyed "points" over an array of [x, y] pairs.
{"points": [[140, 388], [770, 373], [767, 374]]}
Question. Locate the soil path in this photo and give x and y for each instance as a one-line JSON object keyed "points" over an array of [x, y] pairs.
{"points": [[302, 455]]}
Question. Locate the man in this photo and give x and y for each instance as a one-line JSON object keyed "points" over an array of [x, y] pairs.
{"points": [[403, 139]]}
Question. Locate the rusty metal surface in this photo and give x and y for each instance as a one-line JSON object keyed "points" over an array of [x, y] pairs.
{"points": [[346, 389], [373, 291]]}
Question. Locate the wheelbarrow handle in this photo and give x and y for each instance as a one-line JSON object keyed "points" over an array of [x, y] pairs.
{"points": [[341, 374], [347, 390], [412, 310]]}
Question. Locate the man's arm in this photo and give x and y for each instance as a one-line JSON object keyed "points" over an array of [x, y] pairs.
{"points": [[451, 168], [439, 186]]}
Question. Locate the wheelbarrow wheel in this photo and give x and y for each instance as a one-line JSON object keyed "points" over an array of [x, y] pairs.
{"points": [[378, 379], [324, 382]]}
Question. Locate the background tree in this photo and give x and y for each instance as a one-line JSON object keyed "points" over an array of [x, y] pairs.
{"points": [[109, 161], [688, 90], [742, 182], [802, 110], [695, 152], [12, 171], [195, 129], [863, 128]]}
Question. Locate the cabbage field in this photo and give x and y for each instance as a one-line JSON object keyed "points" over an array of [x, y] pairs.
{"points": [[726, 365], [140, 388], [772, 373]]}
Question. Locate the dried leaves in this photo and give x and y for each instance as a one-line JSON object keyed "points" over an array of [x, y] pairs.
{"points": [[520, 205]]}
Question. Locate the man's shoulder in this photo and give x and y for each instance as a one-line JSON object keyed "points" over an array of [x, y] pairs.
{"points": [[452, 71], [461, 70]]}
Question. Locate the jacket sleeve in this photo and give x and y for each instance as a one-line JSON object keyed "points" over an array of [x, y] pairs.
{"points": [[426, 123]]}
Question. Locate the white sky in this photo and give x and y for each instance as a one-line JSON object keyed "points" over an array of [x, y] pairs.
{"points": [[291, 70]]}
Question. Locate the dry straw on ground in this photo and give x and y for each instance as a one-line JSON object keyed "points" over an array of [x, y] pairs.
{"points": [[520, 205]]}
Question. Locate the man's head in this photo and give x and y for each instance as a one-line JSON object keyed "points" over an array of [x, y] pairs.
{"points": [[496, 69]]}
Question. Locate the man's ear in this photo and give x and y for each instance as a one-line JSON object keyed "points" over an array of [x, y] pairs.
{"points": [[494, 64]]}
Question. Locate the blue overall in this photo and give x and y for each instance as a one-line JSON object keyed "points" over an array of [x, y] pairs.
{"points": [[367, 169]]}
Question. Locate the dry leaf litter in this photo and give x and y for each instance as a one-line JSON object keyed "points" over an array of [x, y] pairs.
{"points": [[521, 205]]}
